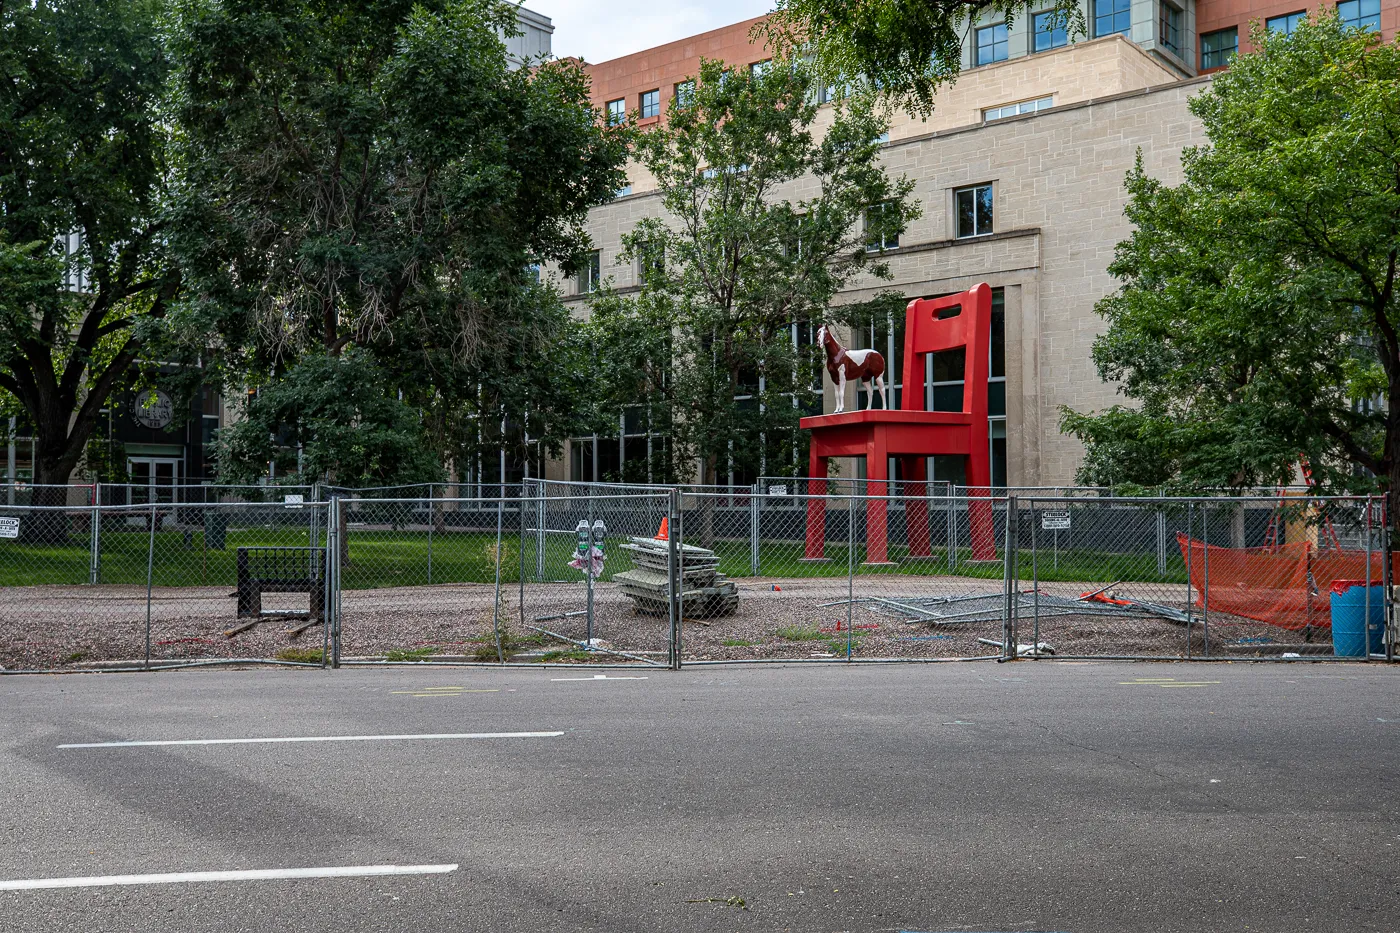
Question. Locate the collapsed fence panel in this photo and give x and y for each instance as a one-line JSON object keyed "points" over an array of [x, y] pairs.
{"points": [[1191, 578]]}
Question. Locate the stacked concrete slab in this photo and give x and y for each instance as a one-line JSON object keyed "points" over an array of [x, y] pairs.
{"points": [[705, 592]]}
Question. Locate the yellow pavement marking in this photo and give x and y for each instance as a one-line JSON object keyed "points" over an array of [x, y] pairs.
{"points": [[443, 691]]}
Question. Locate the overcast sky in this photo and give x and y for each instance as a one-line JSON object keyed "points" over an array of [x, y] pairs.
{"points": [[598, 30]]}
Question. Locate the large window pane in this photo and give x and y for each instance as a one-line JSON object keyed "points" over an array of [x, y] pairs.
{"points": [[1050, 31], [984, 209], [1218, 46], [991, 44], [1112, 16], [1361, 14], [1285, 24]]}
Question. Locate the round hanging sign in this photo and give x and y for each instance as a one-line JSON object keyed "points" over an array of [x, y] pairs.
{"points": [[153, 409]]}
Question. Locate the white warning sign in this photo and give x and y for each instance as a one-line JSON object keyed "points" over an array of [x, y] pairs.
{"points": [[9, 528]]}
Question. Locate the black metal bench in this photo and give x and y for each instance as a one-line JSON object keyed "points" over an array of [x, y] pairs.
{"points": [[280, 570]]}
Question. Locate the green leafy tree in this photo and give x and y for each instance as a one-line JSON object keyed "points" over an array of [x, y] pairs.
{"points": [[375, 174], [1258, 313], [337, 416], [739, 256], [83, 161], [903, 48]]}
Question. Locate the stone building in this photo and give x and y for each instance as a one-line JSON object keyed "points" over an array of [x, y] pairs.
{"points": [[1044, 130]]}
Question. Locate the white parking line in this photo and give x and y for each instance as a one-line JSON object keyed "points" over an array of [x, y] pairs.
{"points": [[323, 738], [264, 874], [594, 677]]}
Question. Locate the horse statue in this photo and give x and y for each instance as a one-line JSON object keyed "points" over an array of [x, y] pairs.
{"points": [[861, 365]]}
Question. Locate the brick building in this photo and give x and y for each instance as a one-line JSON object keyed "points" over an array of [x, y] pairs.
{"points": [[1044, 128]]}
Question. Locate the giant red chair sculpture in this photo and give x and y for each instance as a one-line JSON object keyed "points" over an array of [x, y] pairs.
{"points": [[913, 433]]}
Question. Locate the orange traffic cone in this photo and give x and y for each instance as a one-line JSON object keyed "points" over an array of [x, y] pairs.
{"points": [[661, 532]]}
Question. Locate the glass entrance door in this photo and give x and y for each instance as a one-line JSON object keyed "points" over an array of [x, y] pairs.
{"points": [[153, 479]]}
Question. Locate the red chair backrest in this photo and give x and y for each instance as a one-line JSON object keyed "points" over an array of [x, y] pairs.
{"points": [[930, 328]]}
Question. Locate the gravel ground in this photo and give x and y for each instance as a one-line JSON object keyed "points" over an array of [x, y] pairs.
{"points": [[49, 627]]}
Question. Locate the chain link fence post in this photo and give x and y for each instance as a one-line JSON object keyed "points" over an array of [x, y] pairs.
{"points": [[850, 568], [1190, 603], [1008, 572], [336, 549], [673, 600], [150, 568], [1366, 629], [432, 520], [753, 530], [1205, 581], [328, 597], [495, 603], [95, 538]]}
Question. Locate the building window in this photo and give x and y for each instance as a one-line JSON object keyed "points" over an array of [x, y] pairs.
{"points": [[617, 112], [1284, 25], [1361, 14], [532, 273], [651, 259], [591, 274], [991, 44], [624, 191], [1169, 27], [827, 94], [1011, 110], [650, 103], [974, 209], [1051, 31], [881, 227], [1112, 16], [759, 69], [1218, 46], [685, 94]]}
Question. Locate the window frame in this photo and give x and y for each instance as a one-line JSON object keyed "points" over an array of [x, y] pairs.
{"points": [[1112, 16], [1169, 22], [999, 41], [684, 94], [1289, 20], [616, 111], [1360, 21], [972, 191], [1016, 108], [887, 241], [1047, 16], [652, 109], [590, 274], [1221, 55]]}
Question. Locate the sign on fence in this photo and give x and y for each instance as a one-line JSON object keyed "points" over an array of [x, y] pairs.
{"points": [[779, 489], [293, 501], [1055, 520], [9, 528]]}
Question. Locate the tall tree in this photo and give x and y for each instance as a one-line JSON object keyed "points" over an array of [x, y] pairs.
{"points": [[740, 255], [374, 173], [1258, 313], [903, 48], [86, 280]]}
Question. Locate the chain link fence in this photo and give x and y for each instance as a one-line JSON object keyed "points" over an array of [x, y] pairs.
{"points": [[1245, 577], [665, 576]]}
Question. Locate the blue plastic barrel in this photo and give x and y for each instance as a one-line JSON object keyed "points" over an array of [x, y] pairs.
{"points": [[1350, 627]]}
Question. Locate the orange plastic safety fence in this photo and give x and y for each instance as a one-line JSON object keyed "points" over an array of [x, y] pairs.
{"points": [[1287, 586]]}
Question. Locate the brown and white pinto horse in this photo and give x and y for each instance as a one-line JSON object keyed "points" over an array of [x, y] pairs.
{"points": [[860, 365]]}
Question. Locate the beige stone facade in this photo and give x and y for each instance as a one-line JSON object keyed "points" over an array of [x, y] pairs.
{"points": [[1058, 190]]}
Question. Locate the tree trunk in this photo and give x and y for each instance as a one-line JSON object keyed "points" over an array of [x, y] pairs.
{"points": [[48, 525]]}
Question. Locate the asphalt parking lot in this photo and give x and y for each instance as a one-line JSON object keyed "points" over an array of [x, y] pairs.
{"points": [[973, 797]]}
